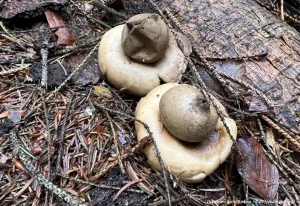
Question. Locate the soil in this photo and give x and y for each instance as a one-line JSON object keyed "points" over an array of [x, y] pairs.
{"points": [[105, 196], [56, 74]]}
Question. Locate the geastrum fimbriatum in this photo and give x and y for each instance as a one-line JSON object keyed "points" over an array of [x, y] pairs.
{"points": [[189, 134], [142, 54]]}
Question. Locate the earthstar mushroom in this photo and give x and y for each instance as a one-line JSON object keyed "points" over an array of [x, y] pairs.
{"points": [[186, 114], [145, 38], [190, 162], [149, 64]]}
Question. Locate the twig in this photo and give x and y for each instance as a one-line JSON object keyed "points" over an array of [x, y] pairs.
{"points": [[287, 193], [78, 68], [44, 54], [62, 134], [102, 23], [240, 58], [20, 84], [153, 141], [280, 130], [281, 9], [49, 141], [282, 164], [120, 98], [125, 187], [275, 10], [10, 36], [11, 71], [254, 114], [163, 202], [89, 16], [40, 178], [115, 141], [99, 4], [98, 185], [296, 196], [143, 143], [245, 84]]}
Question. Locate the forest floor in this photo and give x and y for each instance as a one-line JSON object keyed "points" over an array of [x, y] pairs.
{"points": [[70, 131]]}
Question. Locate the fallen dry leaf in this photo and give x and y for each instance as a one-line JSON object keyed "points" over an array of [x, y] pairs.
{"points": [[101, 91], [256, 169], [4, 166], [37, 150], [18, 165], [4, 114], [64, 35], [100, 130], [90, 72]]}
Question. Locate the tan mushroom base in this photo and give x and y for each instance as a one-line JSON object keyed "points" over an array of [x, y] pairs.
{"points": [[135, 77], [190, 162]]}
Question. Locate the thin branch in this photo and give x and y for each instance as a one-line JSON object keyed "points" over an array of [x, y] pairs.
{"points": [[49, 141], [117, 144], [62, 134], [77, 69]]}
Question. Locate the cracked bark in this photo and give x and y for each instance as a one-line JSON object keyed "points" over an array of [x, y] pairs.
{"points": [[235, 28]]}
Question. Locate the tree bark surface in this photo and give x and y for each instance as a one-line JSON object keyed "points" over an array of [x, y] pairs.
{"points": [[234, 28]]}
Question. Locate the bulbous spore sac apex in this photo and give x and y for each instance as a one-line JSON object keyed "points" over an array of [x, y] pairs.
{"points": [[187, 115], [203, 103]]}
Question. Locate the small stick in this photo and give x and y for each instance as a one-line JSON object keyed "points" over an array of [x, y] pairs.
{"points": [[99, 4], [281, 9], [78, 68], [11, 71], [125, 187], [281, 163], [296, 196], [62, 134], [280, 130], [89, 16], [115, 141], [154, 144], [32, 86], [10, 36], [49, 141], [99, 186], [40, 177], [287, 193], [144, 142], [275, 10], [44, 54], [260, 93]]}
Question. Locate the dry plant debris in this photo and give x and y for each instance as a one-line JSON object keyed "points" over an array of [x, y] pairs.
{"points": [[60, 144], [258, 172]]}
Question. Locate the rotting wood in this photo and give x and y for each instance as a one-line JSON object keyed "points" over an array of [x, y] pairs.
{"points": [[11, 8], [231, 29]]}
